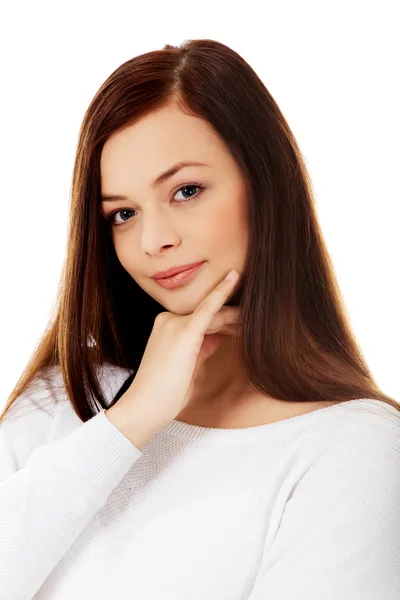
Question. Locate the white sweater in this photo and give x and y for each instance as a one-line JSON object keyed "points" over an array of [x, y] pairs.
{"points": [[307, 508]]}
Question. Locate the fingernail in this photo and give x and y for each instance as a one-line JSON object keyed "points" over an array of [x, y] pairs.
{"points": [[231, 275]]}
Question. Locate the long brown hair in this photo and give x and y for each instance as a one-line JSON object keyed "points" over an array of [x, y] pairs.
{"points": [[296, 341]]}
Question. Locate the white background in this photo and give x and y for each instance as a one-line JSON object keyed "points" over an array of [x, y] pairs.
{"points": [[333, 69]]}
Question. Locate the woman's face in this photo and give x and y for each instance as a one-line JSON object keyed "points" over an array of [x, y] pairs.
{"points": [[154, 228]]}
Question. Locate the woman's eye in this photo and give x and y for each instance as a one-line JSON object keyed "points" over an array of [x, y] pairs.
{"points": [[111, 217], [187, 187]]}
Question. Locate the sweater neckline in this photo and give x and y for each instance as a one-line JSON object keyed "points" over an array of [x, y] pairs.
{"points": [[255, 432]]}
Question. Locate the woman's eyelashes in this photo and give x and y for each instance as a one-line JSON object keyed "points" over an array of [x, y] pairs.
{"points": [[111, 220]]}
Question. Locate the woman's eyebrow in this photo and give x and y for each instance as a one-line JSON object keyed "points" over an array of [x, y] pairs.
{"points": [[160, 179]]}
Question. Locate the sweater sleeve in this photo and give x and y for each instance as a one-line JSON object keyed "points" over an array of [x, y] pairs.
{"points": [[47, 503], [339, 535]]}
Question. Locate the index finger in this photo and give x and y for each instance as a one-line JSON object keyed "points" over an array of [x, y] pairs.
{"points": [[208, 308]]}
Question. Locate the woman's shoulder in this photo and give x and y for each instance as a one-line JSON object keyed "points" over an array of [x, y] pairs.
{"points": [[366, 427], [43, 413], [46, 393]]}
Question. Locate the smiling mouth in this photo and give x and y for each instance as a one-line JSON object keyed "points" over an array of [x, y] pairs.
{"points": [[179, 278]]}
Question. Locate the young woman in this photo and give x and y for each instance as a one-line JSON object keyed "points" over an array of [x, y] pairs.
{"points": [[181, 435]]}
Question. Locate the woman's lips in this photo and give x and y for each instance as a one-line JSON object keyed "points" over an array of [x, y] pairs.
{"points": [[179, 279]]}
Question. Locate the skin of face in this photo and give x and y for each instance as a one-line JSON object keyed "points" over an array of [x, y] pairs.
{"points": [[162, 231]]}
